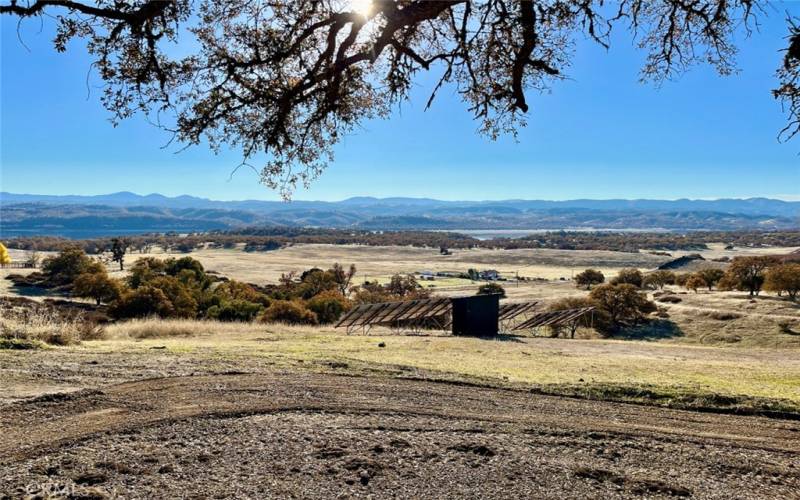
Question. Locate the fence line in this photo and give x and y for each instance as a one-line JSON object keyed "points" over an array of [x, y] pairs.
{"points": [[17, 265]]}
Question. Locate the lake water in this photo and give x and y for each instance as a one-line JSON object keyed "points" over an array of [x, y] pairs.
{"points": [[481, 234], [490, 234]]}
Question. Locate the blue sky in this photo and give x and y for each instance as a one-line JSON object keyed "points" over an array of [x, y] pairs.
{"points": [[600, 134]]}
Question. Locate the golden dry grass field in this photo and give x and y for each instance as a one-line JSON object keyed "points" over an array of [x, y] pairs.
{"points": [[167, 408], [382, 262], [527, 360], [753, 350]]}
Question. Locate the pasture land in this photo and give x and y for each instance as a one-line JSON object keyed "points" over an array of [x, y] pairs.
{"points": [[382, 262], [157, 407], [161, 407], [559, 366]]}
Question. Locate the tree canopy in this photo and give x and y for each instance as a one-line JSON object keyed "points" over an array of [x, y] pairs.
{"points": [[284, 81]]}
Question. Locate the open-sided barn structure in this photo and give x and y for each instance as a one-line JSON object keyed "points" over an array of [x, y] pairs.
{"points": [[475, 315]]}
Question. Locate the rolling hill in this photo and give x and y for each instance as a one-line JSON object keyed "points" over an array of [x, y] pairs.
{"points": [[119, 213]]}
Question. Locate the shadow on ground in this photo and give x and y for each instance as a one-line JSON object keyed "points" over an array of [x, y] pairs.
{"points": [[654, 330]]}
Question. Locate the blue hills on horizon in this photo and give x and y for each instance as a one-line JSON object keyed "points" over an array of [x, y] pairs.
{"points": [[126, 213], [751, 206]]}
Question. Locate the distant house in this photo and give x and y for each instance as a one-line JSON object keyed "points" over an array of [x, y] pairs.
{"points": [[427, 275], [489, 275]]}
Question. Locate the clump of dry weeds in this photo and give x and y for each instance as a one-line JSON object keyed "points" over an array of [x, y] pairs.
{"points": [[47, 325], [724, 315], [149, 328]]}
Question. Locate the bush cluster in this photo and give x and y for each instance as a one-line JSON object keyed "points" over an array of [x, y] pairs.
{"points": [[181, 288], [615, 306], [399, 288]]}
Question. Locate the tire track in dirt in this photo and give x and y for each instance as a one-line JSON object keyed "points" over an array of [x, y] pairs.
{"points": [[603, 447]]}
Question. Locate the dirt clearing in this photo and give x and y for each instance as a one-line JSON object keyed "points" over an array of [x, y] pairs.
{"points": [[316, 435]]}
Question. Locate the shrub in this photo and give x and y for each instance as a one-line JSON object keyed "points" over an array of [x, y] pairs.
{"points": [[711, 276], [406, 287], [178, 294], [234, 310], [144, 270], [598, 319], [289, 311], [659, 279], [46, 324], [62, 269], [630, 276], [399, 288], [173, 267], [156, 328], [492, 289], [723, 316], [328, 306], [682, 278], [669, 299], [315, 281], [97, 286], [589, 277], [236, 290], [694, 282], [142, 302], [186, 269]]}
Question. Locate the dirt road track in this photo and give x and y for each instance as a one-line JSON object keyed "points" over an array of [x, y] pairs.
{"points": [[324, 436]]}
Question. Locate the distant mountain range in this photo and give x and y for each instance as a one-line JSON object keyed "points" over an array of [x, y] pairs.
{"points": [[81, 216], [749, 206]]}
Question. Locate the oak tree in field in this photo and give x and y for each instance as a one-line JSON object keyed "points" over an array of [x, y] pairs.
{"points": [[630, 276], [622, 304], [142, 302], [98, 286], [62, 269], [747, 273], [784, 278], [682, 278], [695, 282], [659, 279], [343, 278], [589, 277], [283, 81], [119, 246], [711, 276]]}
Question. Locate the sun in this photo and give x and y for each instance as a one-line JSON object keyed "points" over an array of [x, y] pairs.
{"points": [[363, 7]]}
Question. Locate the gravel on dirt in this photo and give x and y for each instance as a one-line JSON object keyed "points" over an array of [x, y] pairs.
{"points": [[299, 434]]}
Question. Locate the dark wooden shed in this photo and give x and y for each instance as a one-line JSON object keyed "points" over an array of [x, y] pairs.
{"points": [[476, 315]]}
